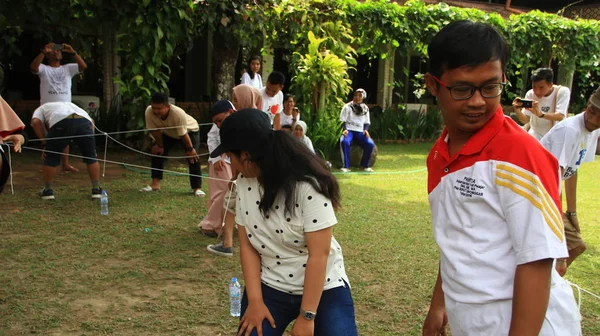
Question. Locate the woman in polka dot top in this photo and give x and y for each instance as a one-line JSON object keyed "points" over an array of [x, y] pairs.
{"points": [[293, 266]]}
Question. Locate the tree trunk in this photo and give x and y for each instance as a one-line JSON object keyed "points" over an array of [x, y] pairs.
{"points": [[225, 57]]}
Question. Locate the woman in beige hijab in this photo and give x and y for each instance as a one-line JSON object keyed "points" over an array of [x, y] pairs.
{"points": [[246, 96]]}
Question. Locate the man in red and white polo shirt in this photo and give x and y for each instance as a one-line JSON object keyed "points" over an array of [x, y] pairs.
{"points": [[493, 193]]}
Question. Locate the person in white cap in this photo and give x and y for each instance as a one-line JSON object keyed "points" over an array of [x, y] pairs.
{"points": [[356, 121], [574, 141]]}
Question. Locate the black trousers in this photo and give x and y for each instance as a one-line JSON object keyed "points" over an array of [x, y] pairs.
{"points": [[194, 168]]}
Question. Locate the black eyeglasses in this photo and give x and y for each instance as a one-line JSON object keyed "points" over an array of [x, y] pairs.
{"points": [[464, 92]]}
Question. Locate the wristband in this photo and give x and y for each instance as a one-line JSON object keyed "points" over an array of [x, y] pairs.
{"points": [[189, 149], [543, 115], [571, 214], [561, 260]]}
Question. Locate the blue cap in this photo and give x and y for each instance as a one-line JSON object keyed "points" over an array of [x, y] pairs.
{"points": [[234, 279], [220, 107]]}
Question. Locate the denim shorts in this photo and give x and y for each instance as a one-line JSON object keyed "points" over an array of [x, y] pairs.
{"points": [[81, 130], [335, 315]]}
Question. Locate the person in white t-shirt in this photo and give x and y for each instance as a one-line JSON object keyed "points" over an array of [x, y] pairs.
{"points": [[290, 114], [171, 126], [65, 120], [355, 122], [219, 169], [272, 97], [574, 141], [285, 215], [550, 103], [55, 80], [252, 76]]}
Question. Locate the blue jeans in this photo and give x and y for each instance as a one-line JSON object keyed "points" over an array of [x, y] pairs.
{"points": [[335, 315], [365, 143]]}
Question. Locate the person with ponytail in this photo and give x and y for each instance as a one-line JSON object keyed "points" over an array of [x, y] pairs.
{"points": [[293, 267], [251, 76]]}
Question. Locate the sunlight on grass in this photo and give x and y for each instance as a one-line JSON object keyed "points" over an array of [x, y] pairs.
{"points": [[144, 269]]}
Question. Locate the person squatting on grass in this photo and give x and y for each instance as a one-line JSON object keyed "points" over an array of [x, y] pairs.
{"points": [[293, 267], [179, 128], [355, 122], [495, 204], [66, 120], [242, 96], [573, 141], [11, 130]]}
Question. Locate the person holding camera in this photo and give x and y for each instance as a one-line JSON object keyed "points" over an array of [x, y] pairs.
{"points": [[290, 114], [55, 80], [544, 105]]}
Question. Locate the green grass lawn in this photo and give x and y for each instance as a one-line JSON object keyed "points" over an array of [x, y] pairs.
{"points": [[144, 269]]}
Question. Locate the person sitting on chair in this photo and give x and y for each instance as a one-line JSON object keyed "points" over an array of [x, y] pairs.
{"points": [[356, 122]]}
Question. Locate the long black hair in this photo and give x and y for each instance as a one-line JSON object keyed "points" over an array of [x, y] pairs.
{"points": [[284, 162], [249, 68]]}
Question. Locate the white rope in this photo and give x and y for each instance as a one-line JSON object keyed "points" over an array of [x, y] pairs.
{"points": [[148, 154], [12, 187], [121, 132], [105, 150], [233, 183], [128, 164]]}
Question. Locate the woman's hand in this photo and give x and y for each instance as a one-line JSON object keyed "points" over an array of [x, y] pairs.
{"points": [[303, 327], [17, 140], [253, 318]]}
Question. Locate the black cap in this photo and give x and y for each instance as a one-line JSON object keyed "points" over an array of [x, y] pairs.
{"points": [[247, 129], [220, 107]]}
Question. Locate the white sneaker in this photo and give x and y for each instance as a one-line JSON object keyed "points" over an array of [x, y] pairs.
{"points": [[368, 170], [344, 170], [199, 193]]}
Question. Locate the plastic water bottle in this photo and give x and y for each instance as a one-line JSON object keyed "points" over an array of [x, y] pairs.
{"points": [[104, 203], [235, 297]]}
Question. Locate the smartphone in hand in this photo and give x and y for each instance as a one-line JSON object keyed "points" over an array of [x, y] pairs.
{"points": [[526, 103]]}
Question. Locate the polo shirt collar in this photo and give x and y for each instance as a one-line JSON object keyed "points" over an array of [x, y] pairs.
{"points": [[479, 140]]}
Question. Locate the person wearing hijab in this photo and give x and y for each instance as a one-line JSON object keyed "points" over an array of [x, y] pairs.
{"points": [[246, 95], [300, 133], [356, 121], [11, 128]]}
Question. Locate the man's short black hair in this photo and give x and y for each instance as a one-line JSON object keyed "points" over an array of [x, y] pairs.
{"points": [[276, 78], [543, 74], [159, 98], [466, 43]]}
